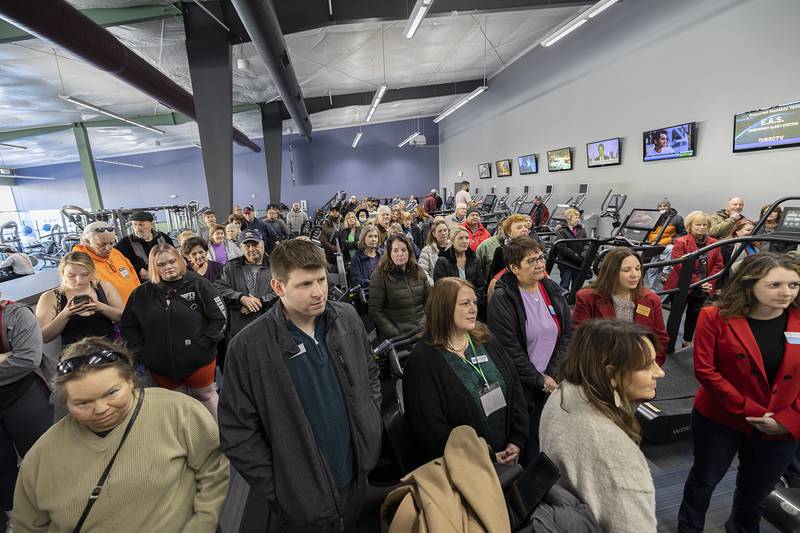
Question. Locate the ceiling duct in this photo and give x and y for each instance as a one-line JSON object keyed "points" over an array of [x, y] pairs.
{"points": [[261, 22], [61, 24]]}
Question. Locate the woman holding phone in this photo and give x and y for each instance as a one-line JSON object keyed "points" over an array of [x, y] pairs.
{"points": [[82, 306]]}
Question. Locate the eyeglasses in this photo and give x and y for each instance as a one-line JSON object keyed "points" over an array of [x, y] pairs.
{"points": [[109, 229], [72, 364], [536, 259]]}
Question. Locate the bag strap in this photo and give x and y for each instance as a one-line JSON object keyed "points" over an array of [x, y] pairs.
{"points": [[5, 347], [99, 487]]}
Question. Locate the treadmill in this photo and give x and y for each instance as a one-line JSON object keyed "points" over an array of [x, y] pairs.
{"points": [[488, 204]]}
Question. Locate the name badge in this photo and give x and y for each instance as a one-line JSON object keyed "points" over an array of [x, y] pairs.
{"points": [[479, 359], [123, 271], [492, 399], [643, 310], [552, 310], [302, 348], [792, 337]]}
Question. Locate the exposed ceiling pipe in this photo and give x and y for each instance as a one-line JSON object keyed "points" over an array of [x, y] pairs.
{"points": [[261, 22], [61, 24]]}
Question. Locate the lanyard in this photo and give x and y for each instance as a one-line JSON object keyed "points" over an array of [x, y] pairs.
{"points": [[476, 368]]}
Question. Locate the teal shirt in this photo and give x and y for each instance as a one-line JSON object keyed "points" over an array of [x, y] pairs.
{"points": [[494, 424]]}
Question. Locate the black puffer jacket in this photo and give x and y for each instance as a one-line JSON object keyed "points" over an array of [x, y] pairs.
{"points": [[397, 301], [507, 322], [446, 266], [572, 252], [174, 330]]}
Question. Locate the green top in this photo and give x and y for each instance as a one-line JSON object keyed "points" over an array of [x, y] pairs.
{"points": [[494, 424]]}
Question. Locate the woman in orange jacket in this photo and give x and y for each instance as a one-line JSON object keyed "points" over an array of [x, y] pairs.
{"points": [[619, 293], [747, 360]]}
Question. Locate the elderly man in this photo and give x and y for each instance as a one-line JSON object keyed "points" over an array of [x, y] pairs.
{"points": [[351, 205], [137, 247], [109, 263], [383, 219], [724, 220], [245, 283], [458, 217], [477, 233], [295, 220]]}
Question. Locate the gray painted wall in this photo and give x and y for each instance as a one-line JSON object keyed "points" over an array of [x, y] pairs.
{"points": [[642, 65]]}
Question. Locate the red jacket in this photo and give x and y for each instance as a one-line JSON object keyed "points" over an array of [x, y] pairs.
{"points": [[478, 236], [733, 383], [589, 304], [685, 245], [429, 203]]}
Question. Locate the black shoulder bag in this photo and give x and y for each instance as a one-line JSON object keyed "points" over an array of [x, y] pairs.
{"points": [[99, 487]]}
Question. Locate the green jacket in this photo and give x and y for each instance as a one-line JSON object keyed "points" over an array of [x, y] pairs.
{"points": [[397, 302]]}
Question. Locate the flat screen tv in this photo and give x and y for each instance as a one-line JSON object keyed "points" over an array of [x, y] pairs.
{"points": [[503, 168], [560, 159], [485, 170], [764, 129], [669, 143], [603, 153], [527, 164]]}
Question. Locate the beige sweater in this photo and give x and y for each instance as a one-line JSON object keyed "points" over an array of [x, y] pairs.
{"points": [[599, 463], [169, 476]]}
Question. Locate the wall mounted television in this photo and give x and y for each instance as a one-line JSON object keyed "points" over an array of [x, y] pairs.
{"points": [[503, 168], [526, 164], [560, 159], [669, 143], [764, 129], [484, 170], [603, 153]]}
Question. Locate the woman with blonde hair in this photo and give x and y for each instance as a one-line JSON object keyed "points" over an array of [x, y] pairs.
{"points": [[572, 253], [438, 241], [174, 324], [82, 306], [348, 236], [589, 429]]}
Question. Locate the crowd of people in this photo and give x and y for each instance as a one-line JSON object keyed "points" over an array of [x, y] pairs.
{"points": [[298, 410]]}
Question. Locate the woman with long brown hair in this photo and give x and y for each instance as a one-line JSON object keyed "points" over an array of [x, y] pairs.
{"points": [[619, 292], [589, 428], [458, 374], [398, 289], [747, 359]]}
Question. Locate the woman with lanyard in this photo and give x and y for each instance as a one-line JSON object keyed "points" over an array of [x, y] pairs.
{"points": [[697, 224], [531, 318], [174, 324], [619, 292], [82, 306], [348, 237], [459, 374], [438, 241], [195, 250], [150, 460], [459, 261], [747, 360]]}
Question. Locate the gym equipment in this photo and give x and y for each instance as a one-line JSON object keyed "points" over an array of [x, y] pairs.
{"points": [[501, 203], [515, 205], [9, 235], [612, 207], [449, 203], [782, 509], [489, 201]]}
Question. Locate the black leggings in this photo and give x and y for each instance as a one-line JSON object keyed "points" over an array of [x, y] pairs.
{"points": [[694, 303], [21, 425]]}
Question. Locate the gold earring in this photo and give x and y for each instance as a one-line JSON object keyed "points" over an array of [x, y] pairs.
{"points": [[617, 399]]}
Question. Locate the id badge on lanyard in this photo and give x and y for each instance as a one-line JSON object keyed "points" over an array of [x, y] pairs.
{"points": [[492, 399]]}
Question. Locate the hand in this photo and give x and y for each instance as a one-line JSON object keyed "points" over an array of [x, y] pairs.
{"points": [[549, 384], [766, 424], [83, 309], [509, 456], [251, 304], [707, 287], [4, 356], [736, 215], [144, 275]]}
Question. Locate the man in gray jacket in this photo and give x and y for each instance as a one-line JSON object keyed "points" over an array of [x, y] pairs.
{"points": [[299, 412], [295, 220]]}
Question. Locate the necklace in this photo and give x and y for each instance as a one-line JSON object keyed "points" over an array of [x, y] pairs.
{"points": [[459, 350]]}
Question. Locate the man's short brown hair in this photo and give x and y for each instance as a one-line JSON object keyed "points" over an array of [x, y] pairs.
{"points": [[295, 254]]}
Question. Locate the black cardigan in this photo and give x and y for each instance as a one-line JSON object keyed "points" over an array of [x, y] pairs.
{"points": [[436, 400], [446, 266], [507, 322]]}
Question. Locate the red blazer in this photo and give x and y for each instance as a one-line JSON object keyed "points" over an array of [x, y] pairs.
{"points": [[733, 385], [685, 245], [589, 304]]}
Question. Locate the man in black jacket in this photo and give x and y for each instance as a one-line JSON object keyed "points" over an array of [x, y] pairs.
{"points": [[253, 223], [300, 408], [245, 283], [145, 237]]}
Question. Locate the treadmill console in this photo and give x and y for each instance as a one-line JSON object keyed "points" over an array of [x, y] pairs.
{"points": [[790, 221]]}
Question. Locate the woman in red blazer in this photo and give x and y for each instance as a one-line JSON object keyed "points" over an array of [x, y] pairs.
{"points": [[619, 292], [747, 360], [697, 224]]}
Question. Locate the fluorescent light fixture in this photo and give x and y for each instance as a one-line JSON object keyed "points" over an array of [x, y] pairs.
{"points": [[357, 138], [375, 101], [577, 22], [421, 8], [408, 139], [119, 163], [15, 176], [99, 109], [447, 112], [18, 147]]}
